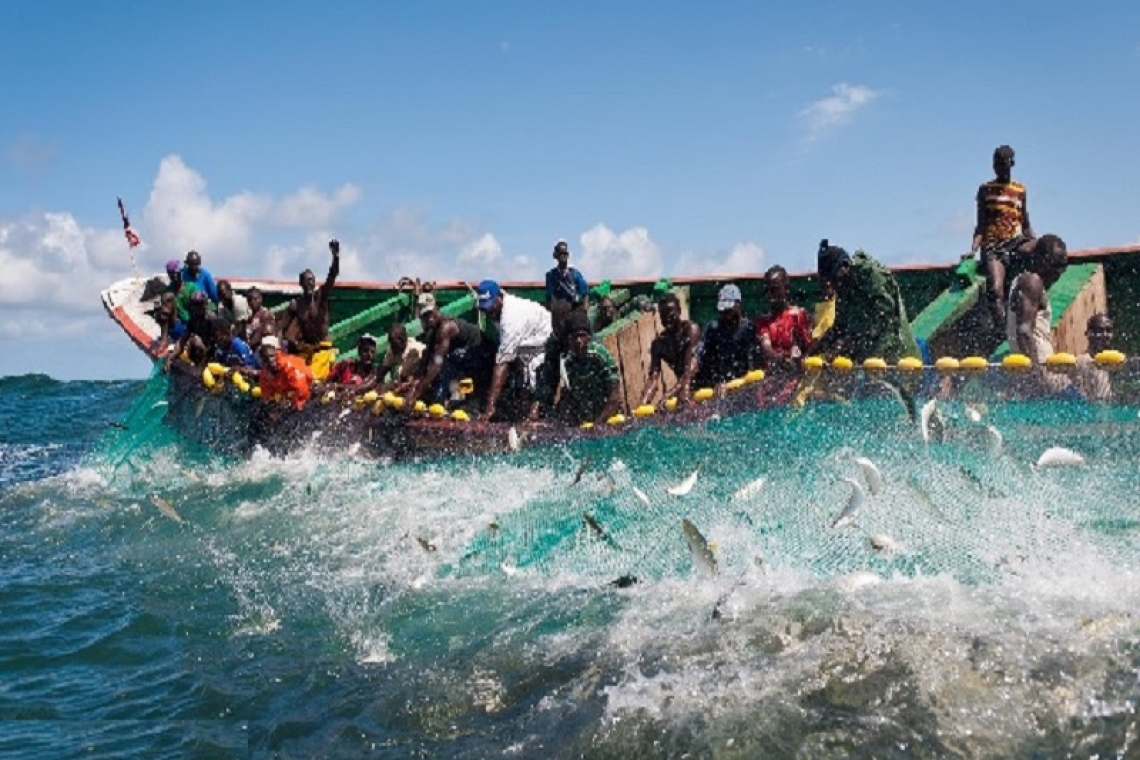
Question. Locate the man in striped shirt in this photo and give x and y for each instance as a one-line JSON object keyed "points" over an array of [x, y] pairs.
{"points": [[1003, 231]]}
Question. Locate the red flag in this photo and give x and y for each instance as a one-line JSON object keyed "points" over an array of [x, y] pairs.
{"points": [[132, 239]]}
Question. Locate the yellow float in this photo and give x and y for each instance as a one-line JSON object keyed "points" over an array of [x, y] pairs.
{"points": [[874, 364], [974, 364], [1061, 362], [813, 364], [754, 376], [671, 404], [460, 416], [1017, 363], [1110, 359], [435, 411], [910, 364], [703, 394], [645, 410], [947, 365], [617, 419]]}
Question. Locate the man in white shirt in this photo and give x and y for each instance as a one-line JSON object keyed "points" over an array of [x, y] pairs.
{"points": [[524, 327]]}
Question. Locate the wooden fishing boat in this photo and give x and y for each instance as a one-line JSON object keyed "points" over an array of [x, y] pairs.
{"points": [[944, 301]]}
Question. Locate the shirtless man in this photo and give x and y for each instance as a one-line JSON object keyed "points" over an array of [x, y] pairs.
{"points": [[677, 347], [454, 349], [306, 321], [1003, 231], [260, 323], [397, 369], [1029, 318], [1092, 381]]}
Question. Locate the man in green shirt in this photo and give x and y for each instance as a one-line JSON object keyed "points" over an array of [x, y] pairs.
{"points": [[870, 317], [590, 391]]}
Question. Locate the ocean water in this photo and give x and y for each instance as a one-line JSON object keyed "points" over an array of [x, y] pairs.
{"points": [[335, 607]]}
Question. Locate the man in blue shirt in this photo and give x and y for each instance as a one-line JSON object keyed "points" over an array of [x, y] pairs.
{"points": [[564, 282], [193, 273]]}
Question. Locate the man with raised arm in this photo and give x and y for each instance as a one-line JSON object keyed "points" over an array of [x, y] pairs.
{"points": [[306, 321]]}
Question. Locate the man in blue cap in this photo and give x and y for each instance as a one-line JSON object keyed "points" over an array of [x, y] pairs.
{"points": [[524, 327]]}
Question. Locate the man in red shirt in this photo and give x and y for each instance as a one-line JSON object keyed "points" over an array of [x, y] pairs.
{"points": [[784, 333]]}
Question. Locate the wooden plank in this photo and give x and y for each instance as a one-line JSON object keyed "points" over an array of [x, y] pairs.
{"points": [[633, 366], [1069, 331]]}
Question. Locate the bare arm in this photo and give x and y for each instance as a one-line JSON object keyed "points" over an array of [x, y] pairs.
{"points": [[689, 362], [979, 224], [1026, 302], [613, 404], [434, 362], [498, 379], [654, 379], [1027, 227]]}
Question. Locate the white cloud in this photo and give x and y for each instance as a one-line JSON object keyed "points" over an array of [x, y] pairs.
{"points": [[485, 251], [744, 258], [836, 109], [606, 254]]}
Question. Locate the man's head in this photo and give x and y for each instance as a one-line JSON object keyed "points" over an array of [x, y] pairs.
{"points": [[193, 264], [607, 309], [489, 297], [1003, 162], [833, 265], [669, 310], [728, 304], [308, 282], [225, 291], [174, 270], [576, 331], [221, 331], [776, 287], [1050, 259], [1098, 330], [426, 302], [268, 349], [562, 253], [253, 296], [366, 348], [398, 338]]}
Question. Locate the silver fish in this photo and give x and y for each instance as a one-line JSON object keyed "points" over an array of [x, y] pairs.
{"points": [[993, 439], [855, 504], [871, 474], [685, 486], [165, 507], [931, 422], [699, 548], [748, 489], [1058, 456], [641, 496], [514, 443]]}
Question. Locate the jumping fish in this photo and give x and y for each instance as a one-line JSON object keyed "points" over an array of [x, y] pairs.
{"points": [[641, 496], [165, 507], [748, 489], [1058, 456], [685, 486], [699, 548], [883, 543], [598, 530], [855, 504], [514, 443], [581, 471], [994, 441], [871, 474], [931, 422], [425, 544]]}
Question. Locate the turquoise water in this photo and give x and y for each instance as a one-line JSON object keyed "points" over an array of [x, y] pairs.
{"points": [[330, 606]]}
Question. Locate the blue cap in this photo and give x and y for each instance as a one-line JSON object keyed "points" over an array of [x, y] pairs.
{"points": [[486, 294]]}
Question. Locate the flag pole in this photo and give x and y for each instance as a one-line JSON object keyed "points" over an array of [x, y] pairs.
{"points": [[133, 240]]}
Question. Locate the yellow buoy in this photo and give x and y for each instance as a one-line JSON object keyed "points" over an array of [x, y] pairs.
{"points": [[420, 407], [587, 425], [617, 419], [1061, 362], [973, 364], [208, 378], [813, 364], [256, 392], [703, 394], [947, 364], [466, 386], [243, 386], [436, 411], [393, 401], [671, 404], [754, 376], [219, 370], [910, 364], [460, 416], [329, 397], [734, 384], [842, 364], [1109, 359], [1017, 362], [237, 378], [645, 410], [874, 364], [370, 397]]}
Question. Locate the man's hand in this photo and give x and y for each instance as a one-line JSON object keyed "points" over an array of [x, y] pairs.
{"points": [[334, 247]]}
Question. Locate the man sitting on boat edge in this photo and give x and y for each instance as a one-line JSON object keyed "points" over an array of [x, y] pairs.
{"points": [[588, 378], [728, 348], [676, 346], [1003, 232]]}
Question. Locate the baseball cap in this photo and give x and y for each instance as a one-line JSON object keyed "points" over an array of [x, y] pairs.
{"points": [[727, 298], [174, 265], [366, 338], [426, 302], [270, 341], [486, 294]]}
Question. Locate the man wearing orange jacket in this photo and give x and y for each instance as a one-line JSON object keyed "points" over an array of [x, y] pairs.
{"points": [[282, 375]]}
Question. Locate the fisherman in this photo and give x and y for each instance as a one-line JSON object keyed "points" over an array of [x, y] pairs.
{"points": [[549, 372], [359, 374], [198, 340], [1029, 315], [170, 327], [305, 325], [676, 346], [524, 327], [590, 389], [181, 290], [283, 377], [193, 274], [607, 313], [261, 321], [564, 282], [1091, 380], [454, 349], [398, 367], [227, 349], [728, 347], [870, 317], [232, 307], [1003, 232], [784, 333]]}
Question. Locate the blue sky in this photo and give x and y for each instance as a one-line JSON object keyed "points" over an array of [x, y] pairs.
{"points": [[461, 139]]}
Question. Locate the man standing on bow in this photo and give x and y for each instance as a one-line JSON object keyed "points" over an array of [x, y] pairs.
{"points": [[564, 282]]}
